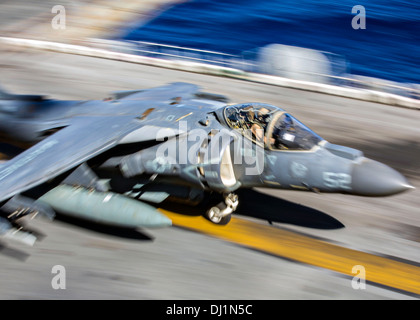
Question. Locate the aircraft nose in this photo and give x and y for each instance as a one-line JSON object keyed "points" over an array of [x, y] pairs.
{"points": [[372, 178]]}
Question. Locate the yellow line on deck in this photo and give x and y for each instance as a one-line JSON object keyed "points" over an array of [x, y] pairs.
{"points": [[290, 245]]}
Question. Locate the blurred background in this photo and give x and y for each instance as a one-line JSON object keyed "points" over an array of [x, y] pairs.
{"points": [[305, 40]]}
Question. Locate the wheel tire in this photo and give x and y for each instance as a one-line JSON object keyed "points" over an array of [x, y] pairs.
{"points": [[211, 215]]}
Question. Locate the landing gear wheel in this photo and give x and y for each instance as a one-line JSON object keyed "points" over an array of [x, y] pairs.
{"points": [[221, 214], [214, 214]]}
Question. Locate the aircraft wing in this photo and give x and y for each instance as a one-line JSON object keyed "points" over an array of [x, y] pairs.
{"points": [[84, 139]]}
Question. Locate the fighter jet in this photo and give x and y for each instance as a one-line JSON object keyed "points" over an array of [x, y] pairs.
{"points": [[108, 160]]}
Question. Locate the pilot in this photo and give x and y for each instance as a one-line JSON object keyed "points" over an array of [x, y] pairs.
{"points": [[234, 119], [260, 124]]}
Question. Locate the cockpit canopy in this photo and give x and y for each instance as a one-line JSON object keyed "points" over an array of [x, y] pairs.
{"points": [[270, 126]]}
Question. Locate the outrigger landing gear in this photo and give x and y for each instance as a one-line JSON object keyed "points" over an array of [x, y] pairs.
{"points": [[11, 229], [221, 213]]}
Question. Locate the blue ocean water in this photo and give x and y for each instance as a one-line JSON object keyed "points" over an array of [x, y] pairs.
{"points": [[388, 48]]}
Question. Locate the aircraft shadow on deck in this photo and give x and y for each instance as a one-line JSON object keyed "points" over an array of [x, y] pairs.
{"points": [[263, 206], [13, 253], [119, 232]]}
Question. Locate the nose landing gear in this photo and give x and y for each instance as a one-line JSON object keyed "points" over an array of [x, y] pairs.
{"points": [[221, 213]]}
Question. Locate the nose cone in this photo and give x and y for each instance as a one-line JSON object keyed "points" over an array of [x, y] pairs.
{"points": [[372, 178]]}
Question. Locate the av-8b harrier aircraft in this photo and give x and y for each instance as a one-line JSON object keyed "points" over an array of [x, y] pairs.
{"points": [[107, 160]]}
